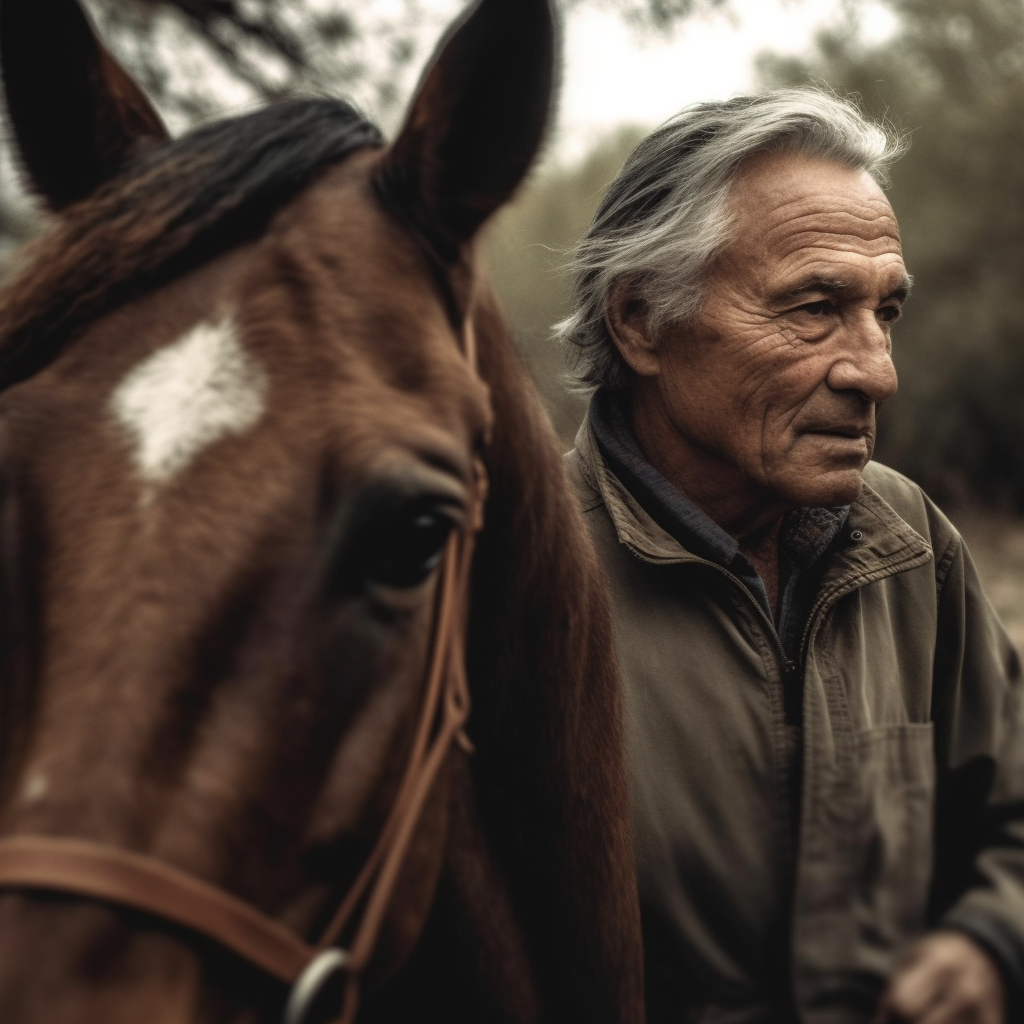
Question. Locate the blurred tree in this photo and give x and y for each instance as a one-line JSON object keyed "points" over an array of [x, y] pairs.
{"points": [[953, 77], [260, 50], [652, 15]]}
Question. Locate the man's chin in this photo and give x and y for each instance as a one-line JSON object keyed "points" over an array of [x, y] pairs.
{"points": [[829, 489]]}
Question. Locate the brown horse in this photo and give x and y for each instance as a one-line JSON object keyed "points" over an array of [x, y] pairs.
{"points": [[253, 389]]}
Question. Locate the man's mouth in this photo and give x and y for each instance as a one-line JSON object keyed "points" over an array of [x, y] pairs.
{"points": [[852, 431]]}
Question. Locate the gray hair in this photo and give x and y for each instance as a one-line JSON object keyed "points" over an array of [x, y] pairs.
{"points": [[665, 217]]}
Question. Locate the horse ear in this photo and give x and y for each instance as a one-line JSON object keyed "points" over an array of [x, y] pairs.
{"points": [[476, 122], [77, 115]]}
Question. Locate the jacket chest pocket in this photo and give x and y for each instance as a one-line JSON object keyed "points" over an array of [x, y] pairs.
{"points": [[890, 825]]}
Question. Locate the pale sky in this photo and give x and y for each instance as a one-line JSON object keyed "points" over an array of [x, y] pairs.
{"points": [[613, 76]]}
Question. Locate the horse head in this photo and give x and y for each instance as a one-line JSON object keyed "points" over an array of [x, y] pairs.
{"points": [[257, 405]]}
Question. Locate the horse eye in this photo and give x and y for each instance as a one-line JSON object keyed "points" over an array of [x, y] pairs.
{"points": [[408, 551]]}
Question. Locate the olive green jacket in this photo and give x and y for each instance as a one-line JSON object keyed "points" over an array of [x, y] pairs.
{"points": [[785, 857]]}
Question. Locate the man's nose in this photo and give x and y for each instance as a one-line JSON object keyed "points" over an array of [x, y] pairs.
{"points": [[865, 364]]}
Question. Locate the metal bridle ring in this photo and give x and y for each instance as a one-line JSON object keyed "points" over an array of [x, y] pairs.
{"points": [[322, 978]]}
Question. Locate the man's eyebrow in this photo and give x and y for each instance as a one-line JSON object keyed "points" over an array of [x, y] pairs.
{"points": [[816, 284], [902, 290], [836, 286]]}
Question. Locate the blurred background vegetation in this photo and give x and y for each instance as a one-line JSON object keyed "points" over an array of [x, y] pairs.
{"points": [[950, 75]]}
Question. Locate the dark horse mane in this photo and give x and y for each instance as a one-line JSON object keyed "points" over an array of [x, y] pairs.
{"points": [[174, 206]]}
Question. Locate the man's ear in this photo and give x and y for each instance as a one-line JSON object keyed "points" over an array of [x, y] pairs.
{"points": [[77, 115], [626, 320]]}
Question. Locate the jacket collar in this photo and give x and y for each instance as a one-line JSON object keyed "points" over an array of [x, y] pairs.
{"points": [[876, 540]]}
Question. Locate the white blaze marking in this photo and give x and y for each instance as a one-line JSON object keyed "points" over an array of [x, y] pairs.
{"points": [[188, 395], [35, 789]]}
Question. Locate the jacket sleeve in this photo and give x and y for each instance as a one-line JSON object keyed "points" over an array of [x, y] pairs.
{"points": [[979, 720]]}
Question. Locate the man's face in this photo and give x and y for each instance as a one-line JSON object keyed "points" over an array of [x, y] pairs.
{"points": [[770, 395]]}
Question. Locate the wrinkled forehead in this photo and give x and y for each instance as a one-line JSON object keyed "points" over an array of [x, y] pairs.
{"points": [[779, 202]]}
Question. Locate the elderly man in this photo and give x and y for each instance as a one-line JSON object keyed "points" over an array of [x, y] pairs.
{"points": [[823, 715]]}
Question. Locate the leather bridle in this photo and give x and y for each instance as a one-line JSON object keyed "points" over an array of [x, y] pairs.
{"points": [[142, 882]]}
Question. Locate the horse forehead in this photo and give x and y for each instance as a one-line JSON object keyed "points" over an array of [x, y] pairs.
{"points": [[382, 318], [337, 308], [344, 246]]}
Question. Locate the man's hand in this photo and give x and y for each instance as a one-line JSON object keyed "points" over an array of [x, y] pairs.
{"points": [[944, 979]]}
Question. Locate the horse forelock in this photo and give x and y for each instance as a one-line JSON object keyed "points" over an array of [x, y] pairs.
{"points": [[173, 208]]}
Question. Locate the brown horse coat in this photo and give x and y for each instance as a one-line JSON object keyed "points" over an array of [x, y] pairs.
{"points": [[237, 423]]}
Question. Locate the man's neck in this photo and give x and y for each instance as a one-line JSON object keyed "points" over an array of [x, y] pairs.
{"points": [[721, 492], [715, 486], [761, 550]]}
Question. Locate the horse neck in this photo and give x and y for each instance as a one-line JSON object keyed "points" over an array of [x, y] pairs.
{"points": [[539, 587], [546, 721]]}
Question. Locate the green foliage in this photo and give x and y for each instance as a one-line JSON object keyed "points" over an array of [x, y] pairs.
{"points": [[526, 253], [953, 79]]}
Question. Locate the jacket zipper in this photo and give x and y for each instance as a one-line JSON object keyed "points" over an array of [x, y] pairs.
{"points": [[786, 664]]}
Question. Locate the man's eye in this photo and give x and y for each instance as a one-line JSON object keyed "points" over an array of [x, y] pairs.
{"points": [[889, 314], [821, 308]]}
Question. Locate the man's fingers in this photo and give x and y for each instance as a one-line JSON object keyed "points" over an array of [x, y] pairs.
{"points": [[915, 989], [947, 979]]}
